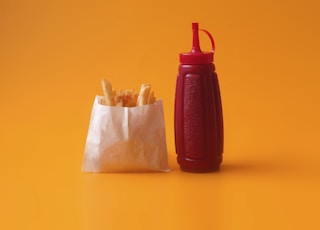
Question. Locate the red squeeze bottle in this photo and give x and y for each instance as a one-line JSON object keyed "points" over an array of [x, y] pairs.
{"points": [[198, 122]]}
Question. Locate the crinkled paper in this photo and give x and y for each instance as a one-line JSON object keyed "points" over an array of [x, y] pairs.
{"points": [[125, 139]]}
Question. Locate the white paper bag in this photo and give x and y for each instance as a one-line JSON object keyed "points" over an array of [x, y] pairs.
{"points": [[126, 139]]}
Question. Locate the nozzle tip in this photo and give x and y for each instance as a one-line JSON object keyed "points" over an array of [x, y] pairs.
{"points": [[195, 26]]}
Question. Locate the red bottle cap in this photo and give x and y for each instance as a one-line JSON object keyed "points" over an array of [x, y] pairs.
{"points": [[196, 56]]}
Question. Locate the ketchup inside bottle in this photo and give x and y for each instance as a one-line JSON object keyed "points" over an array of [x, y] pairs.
{"points": [[198, 120]]}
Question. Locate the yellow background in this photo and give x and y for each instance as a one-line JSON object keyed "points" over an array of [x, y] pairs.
{"points": [[52, 57]]}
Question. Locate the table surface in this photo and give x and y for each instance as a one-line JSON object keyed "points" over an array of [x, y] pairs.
{"points": [[52, 58]]}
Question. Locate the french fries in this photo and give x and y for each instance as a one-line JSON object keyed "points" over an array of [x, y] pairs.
{"points": [[144, 94], [107, 91], [128, 98], [151, 98]]}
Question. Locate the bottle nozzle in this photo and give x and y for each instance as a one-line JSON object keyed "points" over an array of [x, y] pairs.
{"points": [[196, 56], [195, 41]]}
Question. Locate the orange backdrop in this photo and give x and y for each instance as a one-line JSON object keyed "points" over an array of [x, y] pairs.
{"points": [[52, 57]]}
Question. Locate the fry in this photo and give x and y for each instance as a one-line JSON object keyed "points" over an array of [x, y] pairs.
{"points": [[135, 98], [101, 101], [107, 91], [119, 99], [143, 95], [114, 92], [128, 99], [151, 98]]}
